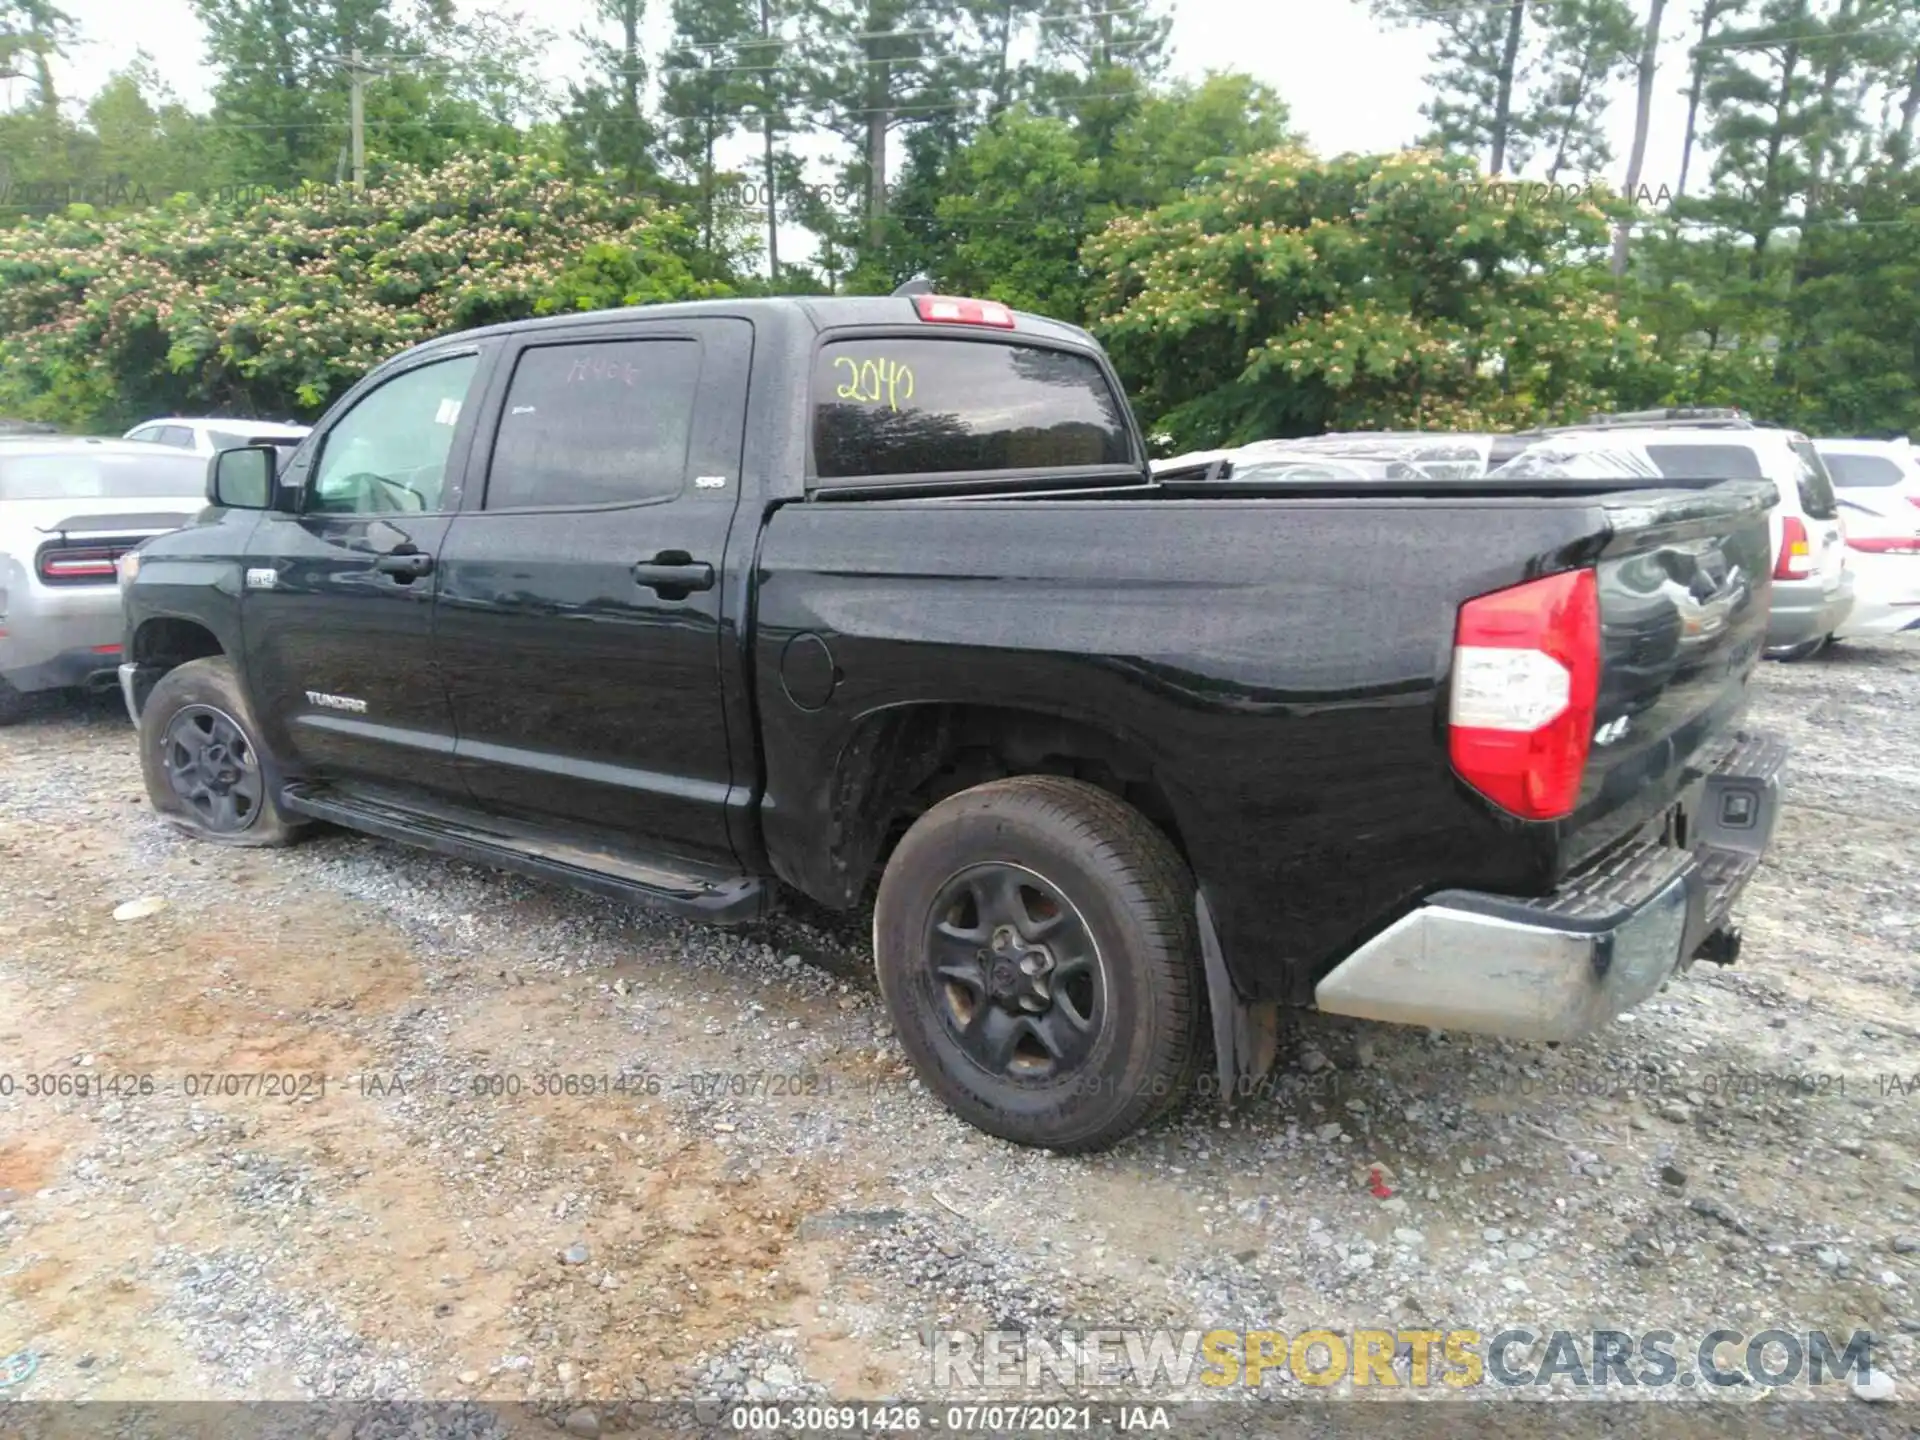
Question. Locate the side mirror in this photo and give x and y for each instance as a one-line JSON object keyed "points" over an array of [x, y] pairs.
{"points": [[242, 479]]}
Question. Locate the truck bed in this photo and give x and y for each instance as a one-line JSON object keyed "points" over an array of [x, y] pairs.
{"points": [[1272, 670]]}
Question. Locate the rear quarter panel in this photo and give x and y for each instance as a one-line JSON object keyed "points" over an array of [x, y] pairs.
{"points": [[1280, 664]]}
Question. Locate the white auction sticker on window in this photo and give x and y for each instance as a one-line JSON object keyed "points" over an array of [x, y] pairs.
{"points": [[448, 413]]}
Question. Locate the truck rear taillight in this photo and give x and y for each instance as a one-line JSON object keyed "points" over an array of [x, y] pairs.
{"points": [[1796, 554], [954, 310], [1526, 677]]}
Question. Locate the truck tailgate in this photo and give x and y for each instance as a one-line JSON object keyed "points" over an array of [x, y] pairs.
{"points": [[1684, 586]]}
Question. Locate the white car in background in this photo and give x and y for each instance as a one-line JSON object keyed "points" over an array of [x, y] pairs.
{"points": [[1813, 595], [210, 437], [1878, 484]]}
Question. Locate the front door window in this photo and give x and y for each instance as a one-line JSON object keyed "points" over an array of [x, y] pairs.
{"points": [[388, 454]]}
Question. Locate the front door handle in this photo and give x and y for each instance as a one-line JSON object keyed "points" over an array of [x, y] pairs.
{"points": [[673, 574], [405, 567]]}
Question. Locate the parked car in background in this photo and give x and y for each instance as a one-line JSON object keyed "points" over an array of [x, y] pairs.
{"points": [[69, 508], [1813, 585], [209, 437], [1878, 483]]}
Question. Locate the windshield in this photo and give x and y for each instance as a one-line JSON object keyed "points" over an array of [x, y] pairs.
{"points": [[80, 476]]}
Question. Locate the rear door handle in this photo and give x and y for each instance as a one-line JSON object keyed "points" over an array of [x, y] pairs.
{"points": [[405, 567], [673, 574]]}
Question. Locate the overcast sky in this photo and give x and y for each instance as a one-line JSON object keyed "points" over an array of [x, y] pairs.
{"points": [[1351, 83]]}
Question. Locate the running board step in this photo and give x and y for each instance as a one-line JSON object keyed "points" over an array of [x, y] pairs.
{"points": [[718, 900]]}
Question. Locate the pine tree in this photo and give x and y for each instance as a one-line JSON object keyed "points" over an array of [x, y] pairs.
{"points": [[1712, 13], [1480, 67], [606, 124], [874, 66], [703, 86], [1589, 44], [33, 33], [1646, 74]]}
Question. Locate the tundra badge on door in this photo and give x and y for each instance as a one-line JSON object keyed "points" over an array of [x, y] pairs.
{"points": [[336, 702]]}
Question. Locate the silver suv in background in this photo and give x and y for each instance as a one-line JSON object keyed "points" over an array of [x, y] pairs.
{"points": [[69, 509]]}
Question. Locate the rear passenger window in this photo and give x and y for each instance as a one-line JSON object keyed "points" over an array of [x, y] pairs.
{"points": [[950, 406], [1863, 472], [1707, 462], [604, 423]]}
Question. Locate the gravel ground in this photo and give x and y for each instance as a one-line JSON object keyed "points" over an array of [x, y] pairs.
{"points": [[348, 1122]]}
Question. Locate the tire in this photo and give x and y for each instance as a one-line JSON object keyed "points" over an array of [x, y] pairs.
{"points": [[1083, 1022], [195, 706], [13, 704]]}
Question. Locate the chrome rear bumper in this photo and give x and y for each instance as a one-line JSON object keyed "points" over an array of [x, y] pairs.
{"points": [[1560, 966]]}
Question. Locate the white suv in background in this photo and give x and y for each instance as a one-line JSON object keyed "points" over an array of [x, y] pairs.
{"points": [[1813, 584], [209, 437], [1878, 482]]}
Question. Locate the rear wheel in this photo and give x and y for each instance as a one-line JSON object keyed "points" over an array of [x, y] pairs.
{"points": [[1037, 951], [203, 764], [12, 704]]}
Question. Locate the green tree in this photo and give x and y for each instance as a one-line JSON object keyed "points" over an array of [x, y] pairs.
{"points": [[1590, 44], [1016, 204], [150, 145], [1098, 62], [703, 91], [33, 33], [281, 305], [1480, 64], [608, 126], [873, 67], [1297, 295]]}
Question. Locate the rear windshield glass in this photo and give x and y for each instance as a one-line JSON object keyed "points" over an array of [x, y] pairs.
{"points": [[80, 476], [1863, 472], [1707, 462], [1816, 489], [901, 407]]}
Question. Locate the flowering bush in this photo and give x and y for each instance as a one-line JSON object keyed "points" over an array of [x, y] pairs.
{"points": [[276, 306], [1298, 295]]}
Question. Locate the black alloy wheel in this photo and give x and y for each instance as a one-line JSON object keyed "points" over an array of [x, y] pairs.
{"points": [[213, 769], [1037, 950], [1018, 972]]}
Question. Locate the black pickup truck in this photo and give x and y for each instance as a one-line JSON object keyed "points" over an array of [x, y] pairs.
{"points": [[703, 605]]}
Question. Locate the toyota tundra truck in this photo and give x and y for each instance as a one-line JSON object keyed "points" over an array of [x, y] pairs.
{"points": [[711, 605]]}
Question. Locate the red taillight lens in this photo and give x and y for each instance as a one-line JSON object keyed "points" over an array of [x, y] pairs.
{"points": [[1885, 544], [1526, 675], [77, 565], [1796, 555], [954, 310]]}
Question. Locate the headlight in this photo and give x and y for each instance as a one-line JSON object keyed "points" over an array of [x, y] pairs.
{"points": [[128, 566]]}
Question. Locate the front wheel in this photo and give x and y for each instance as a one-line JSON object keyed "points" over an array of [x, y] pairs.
{"points": [[1037, 951], [202, 760]]}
